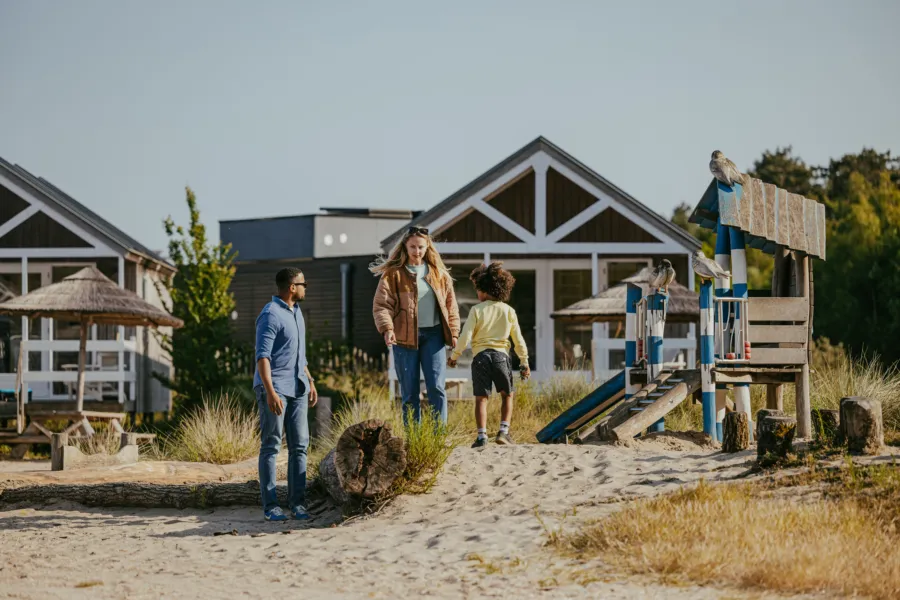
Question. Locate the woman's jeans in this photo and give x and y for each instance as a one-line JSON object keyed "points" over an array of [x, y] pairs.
{"points": [[431, 358], [293, 423]]}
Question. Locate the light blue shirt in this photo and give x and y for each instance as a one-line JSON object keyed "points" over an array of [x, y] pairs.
{"points": [[428, 310], [281, 337]]}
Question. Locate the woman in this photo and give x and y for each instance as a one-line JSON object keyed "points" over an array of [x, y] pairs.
{"points": [[415, 310]]}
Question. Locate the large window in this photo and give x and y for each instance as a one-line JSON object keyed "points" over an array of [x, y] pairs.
{"points": [[572, 341]]}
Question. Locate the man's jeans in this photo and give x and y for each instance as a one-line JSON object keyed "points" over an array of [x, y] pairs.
{"points": [[431, 358], [291, 422]]}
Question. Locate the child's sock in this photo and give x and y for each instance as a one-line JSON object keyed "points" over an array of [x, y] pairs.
{"points": [[504, 427], [482, 433]]}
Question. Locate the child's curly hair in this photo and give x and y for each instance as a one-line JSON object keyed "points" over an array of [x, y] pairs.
{"points": [[493, 280]]}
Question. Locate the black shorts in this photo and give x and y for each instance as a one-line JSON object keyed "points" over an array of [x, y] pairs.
{"points": [[492, 367]]}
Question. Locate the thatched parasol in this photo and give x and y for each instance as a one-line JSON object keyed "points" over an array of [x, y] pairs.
{"points": [[89, 297], [684, 305]]}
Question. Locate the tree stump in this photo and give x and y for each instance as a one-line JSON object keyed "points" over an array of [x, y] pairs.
{"points": [[826, 426], [861, 425], [735, 432], [776, 434], [367, 460], [767, 412]]}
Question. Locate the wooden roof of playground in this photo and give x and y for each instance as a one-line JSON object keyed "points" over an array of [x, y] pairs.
{"points": [[768, 215]]}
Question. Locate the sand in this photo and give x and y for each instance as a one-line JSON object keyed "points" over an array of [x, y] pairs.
{"points": [[476, 534]]}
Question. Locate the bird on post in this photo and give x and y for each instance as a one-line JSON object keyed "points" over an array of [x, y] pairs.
{"points": [[724, 170], [706, 268], [662, 276]]}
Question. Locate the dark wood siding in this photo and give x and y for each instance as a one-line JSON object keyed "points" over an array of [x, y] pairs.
{"points": [[254, 284], [565, 199], [40, 231], [609, 226], [10, 205], [516, 201], [475, 227]]}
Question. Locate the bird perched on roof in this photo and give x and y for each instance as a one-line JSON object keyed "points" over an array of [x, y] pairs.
{"points": [[662, 276], [724, 170], [706, 268]]}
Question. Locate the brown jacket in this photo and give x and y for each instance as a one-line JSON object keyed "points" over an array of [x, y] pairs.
{"points": [[396, 306]]}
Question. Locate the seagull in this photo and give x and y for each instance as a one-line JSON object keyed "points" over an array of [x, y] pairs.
{"points": [[662, 276], [724, 170], [706, 268]]}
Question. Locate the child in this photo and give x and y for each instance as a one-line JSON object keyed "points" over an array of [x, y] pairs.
{"points": [[489, 326]]}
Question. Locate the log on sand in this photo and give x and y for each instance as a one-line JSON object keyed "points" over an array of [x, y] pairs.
{"points": [[365, 463], [142, 495], [736, 432]]}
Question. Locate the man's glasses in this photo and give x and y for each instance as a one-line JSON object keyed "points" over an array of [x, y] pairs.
{"points": [[303, 283]]}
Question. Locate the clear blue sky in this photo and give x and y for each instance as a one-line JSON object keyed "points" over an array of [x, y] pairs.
{"points": [[281, 107]]}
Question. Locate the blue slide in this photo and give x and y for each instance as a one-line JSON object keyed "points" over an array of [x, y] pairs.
{"points": [[589, 406]]}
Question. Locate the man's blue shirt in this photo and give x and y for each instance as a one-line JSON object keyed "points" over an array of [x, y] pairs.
{"points": [[281, 337]]}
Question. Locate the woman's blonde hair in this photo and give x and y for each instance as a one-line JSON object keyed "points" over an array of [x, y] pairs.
{"points": [[399, 256]]}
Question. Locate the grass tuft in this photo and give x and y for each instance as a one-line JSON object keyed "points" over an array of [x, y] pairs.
{"points": [[220, 431]]}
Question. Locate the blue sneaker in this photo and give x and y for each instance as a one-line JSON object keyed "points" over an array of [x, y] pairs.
{"points": [[275, 514], [300, 513]]}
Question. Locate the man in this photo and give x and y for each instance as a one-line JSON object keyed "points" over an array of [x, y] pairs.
{"points": [[284, 390]]}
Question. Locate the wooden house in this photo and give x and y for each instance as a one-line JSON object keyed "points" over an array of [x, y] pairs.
{"points": [[46, 235], [567, 234]]}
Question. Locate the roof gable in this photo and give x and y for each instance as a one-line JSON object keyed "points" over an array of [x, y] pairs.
{"points": [[59, 200], [656, 225]]}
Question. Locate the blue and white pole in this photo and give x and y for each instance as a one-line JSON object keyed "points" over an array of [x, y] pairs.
{"points": [[633, 295], [723, 289], [707, 359], [656, 315], [739, 290]]}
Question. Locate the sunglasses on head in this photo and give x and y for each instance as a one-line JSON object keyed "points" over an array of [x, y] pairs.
{"points": [[418, 231]]}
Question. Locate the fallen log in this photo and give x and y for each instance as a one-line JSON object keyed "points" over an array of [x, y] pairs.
{"points": [[365, 463], [735, 432], [141, 495], [776, 435], [861, 425]]}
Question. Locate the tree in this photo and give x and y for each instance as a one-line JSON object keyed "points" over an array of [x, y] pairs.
{"points": [[787, 172], [200, 296]]}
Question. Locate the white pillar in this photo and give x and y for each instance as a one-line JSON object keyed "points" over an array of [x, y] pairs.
{"points": [[121, 362], [599, 359], [23, 346], [487, 258], [540, 197]]}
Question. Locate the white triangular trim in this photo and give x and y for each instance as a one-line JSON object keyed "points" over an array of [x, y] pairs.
{"points": [[613, 203], [578, 220], [18, 219], [57, 216]]}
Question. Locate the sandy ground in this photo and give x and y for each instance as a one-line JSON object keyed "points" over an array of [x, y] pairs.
{"points": [[475, 535]]}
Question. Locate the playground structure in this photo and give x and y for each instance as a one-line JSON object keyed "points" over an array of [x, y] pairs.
{"points": [[744, 339]]}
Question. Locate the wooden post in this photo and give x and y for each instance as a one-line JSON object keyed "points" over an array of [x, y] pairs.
{"points": [[776, 435], [736, 432], [58, 444], [861, 425], [82, 351], [804, 416], [775, 396]]}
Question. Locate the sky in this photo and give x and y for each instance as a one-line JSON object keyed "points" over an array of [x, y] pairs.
{"points": [[279, 107]]}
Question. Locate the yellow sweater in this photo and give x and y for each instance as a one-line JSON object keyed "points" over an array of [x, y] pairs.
{"points": [[489, 327]]}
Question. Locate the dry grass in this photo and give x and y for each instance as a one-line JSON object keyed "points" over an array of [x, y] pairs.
{"points": [[219, 432], [842, 539], [535, 405], [104, 441]]}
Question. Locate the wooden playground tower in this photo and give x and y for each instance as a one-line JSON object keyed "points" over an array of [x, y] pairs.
{"points": [[744, 339]]}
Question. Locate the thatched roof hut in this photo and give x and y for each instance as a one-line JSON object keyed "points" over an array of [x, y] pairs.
{"points": [[684, 305], [89, 295]]}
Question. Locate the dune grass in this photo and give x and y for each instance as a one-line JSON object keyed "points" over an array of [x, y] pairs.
{"points": [[762, 535], [220, 431]]}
